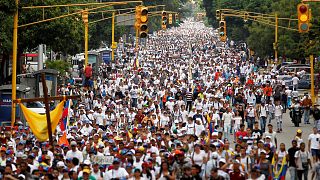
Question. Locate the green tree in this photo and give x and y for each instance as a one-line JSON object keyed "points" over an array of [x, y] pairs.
{"points": [[59, 65]]}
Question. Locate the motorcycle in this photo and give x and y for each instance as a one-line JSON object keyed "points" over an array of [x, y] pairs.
{"points": [[296, 115]]}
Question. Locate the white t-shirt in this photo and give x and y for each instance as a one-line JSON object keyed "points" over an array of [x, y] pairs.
{"points": [[120, 173], [281, 155], [198, 158], [295, 80], [273, 136], [314, 139]]}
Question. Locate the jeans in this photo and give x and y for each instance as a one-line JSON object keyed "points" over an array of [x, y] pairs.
{"points": [[306, 115], [293, 173], [227, 129], [134, 102], [189, 106], [284, 105], [279, 122], [263, 121], [270, 117], [250, 122], [302, 172]]}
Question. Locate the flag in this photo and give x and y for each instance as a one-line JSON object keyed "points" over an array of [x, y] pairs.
{"points": [[64, 122], [136, 63], [38, 123], [63, 140], [130, 135]]}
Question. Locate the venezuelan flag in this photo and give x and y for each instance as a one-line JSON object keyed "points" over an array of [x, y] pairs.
{"points": [[64, 122]]}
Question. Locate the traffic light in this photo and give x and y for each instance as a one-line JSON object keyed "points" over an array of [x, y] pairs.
{"points": [[144, 22], [164, 20], [141, 23], [223, 30], [304, 16], [85, 16], [218, 14], [170, 18], [138, 17], [246, 16], [176, 18]]}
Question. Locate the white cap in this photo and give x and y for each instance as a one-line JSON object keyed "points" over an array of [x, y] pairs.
{"points": [[86, 162], [223, 160], [60, 164]]}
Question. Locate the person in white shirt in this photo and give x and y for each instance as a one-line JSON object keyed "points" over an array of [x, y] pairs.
{"points": [[87, 128], [99, 117], [278, 116], [190, 126], [313, 145], [263, 112], [74, 152], [295, 81], [227, 122], [116, 172]]}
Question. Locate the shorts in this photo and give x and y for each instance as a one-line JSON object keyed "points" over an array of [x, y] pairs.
{"points": [[315, 152]]}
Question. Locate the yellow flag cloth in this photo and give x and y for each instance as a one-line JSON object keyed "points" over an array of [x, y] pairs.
{"points": [[38, 122]]}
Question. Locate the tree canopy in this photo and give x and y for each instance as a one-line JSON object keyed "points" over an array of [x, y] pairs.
{"points": [[260, 37]]}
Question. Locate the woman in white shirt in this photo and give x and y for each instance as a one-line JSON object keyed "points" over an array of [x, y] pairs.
{"points": [[137, 175], [281, 158], [236, 121], [198, 156]]}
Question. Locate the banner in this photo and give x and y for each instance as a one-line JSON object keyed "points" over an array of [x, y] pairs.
{"points": [[38, 122]]}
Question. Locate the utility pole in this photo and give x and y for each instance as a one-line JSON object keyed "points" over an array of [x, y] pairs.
{"points": [[276, 39], [85, 19], [14, 64], [312, 80], [113, 44]]}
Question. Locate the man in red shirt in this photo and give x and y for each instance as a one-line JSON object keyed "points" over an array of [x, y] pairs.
{"points": [[138, 118], [241, 133], [88, 73]]}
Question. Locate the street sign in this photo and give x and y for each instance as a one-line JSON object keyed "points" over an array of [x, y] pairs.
{"points": [[125, 19], [106, 57]]}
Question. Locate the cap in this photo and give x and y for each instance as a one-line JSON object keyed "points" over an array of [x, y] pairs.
{"points": [[60, 164], [116, 160], [223, 160], [73, 143], [299, 131], [87, 162], [86, 170], [268, 137]]}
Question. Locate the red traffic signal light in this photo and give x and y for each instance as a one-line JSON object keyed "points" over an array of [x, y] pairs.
{"points": [[303, 8], [304, 16]]}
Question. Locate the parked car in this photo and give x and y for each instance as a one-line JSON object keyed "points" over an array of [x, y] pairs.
{"points": [[36, 106], [294, 68], [305, 81]]}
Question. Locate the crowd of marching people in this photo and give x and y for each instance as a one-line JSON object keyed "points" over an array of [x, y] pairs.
{"points": [[189, 107]]}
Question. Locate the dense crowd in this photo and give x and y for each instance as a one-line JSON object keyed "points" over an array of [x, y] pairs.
{"points": [[188, 107]]}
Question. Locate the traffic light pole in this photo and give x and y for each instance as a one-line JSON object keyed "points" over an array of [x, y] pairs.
{"points": [[113, 44], [86, 34], [276, 38], [312, 80], [137, 46], [85, 19], [14, 64]]}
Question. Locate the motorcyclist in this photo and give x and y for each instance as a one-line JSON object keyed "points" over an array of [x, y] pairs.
{"points": [[295, 112]]}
